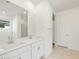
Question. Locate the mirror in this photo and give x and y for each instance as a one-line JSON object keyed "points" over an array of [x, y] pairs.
{"points": [[13, 21]]}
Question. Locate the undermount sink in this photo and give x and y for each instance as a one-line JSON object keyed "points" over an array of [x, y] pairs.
{"points": [[1, 49], [12, 44], [15, 43], [4, 46]]}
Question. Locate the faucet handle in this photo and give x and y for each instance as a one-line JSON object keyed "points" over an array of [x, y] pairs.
{"points": [[10, 40], [30, 36]]}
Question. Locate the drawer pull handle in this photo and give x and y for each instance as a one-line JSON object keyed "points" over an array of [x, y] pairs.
{"points": [[42, 57], [20, 58], [38, 48]]}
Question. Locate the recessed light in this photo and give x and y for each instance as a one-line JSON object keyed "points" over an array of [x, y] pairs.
{"points": [[24, 12]]}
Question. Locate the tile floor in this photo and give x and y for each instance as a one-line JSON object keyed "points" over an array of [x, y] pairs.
{"points": [[64, 53]]}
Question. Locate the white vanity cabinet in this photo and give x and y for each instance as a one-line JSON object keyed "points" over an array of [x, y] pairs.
{"points": [[21, 53], [38, 50], [48, 47], [23, 56], [35, 50], [0, 57]]}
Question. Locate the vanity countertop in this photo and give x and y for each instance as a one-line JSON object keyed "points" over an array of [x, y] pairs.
{"points": [[19, 43]]}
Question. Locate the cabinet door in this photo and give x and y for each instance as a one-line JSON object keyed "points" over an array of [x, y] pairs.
{"points": [[47, 47], [34, 52], [8, 56], [41, 49], [37, 50], [22, 56], [21, 53], [1, 57], [25, 55]]}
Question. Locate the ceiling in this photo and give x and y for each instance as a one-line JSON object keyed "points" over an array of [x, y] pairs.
{"points": [[9, 9], [36, 1], [58, 5], [61, 5]]}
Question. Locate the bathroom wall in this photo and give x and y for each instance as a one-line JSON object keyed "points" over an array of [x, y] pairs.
{"points": [[67, 28], [39, 16], [44, 24], [40, 22], [40, 19]]}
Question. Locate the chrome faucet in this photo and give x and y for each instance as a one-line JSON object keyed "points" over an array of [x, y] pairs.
{"points": [[10, 40]]}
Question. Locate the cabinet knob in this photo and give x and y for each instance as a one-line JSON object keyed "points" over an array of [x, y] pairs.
{"points": [[38, 48], [20, 58], [42, 57]]}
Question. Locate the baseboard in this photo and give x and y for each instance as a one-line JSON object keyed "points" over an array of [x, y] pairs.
{"points": [[54, 44], [57, 45], [62, 46]]}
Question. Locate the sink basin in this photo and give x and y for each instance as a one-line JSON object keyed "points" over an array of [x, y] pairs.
{"points": [[4, 46], [14, 44], [1, 49]]}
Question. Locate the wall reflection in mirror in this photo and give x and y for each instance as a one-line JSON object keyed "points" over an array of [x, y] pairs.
{"points": [[13, 21]]}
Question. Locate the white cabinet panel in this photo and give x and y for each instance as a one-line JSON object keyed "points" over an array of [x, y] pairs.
{"points": [[9, 56], [23, 56], [1, 57], [22, 53], [27, 53], [47, 47], [34, 53], [37, 50]]}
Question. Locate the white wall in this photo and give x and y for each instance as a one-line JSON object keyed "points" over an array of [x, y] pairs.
{"points": [[41, 20], [44, 18], [67, 28], [40, 23], [37, 15], [44, 24]]}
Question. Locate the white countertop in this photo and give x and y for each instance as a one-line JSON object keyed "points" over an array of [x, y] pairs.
{"points": [[5, 47]]}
